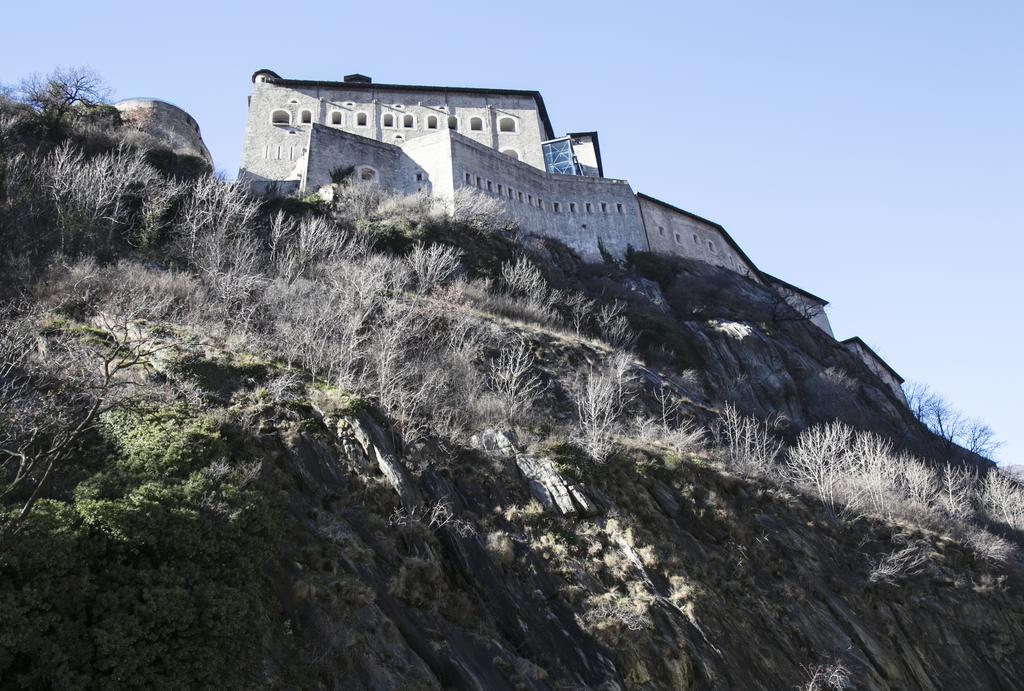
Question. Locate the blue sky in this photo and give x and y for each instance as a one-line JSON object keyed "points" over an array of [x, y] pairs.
{"points": [[870, 152]]}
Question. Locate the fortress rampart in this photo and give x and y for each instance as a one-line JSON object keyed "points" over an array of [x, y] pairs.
{"points": [[168, 123]]}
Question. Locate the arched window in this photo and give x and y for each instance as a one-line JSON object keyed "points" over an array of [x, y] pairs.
{"points": [[336, 117], [506, 125], [389, 120], [360, 119], [431, 122], [476, 124], [307, 117], [511, 152], [281, 117], [366, 174], [453, 122], [408, 121]]}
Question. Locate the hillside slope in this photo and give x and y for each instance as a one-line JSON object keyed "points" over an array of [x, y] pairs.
{"points": [[368, 443]]}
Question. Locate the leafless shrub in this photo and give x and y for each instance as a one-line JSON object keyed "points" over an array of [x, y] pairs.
{"points": [[686, 436], [957, 489], [833, 677], [514, 380], [1003, 499], [630, 615], [433, 265], [986, 545], [821, 461], [580, 309], [282, 388], [748, 445], [482, 212], [601, 396], [838, 377], [918, 483], [298, 248], [902, 563], [433, 517], [216, 211], [94, 198], [669, 428], [524, 281], [614, 327]]}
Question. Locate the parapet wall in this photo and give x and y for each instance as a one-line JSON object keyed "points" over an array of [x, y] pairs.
{"points": [[586, 213], [682, 234]]}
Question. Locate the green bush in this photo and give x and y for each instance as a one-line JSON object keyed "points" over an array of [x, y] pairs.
{"points": [[150, 575]]}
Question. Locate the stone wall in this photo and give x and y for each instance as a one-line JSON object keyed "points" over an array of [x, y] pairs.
{"points": [[877, 365], [806, 304], [677, 232], [175, 128], [586, 213]]}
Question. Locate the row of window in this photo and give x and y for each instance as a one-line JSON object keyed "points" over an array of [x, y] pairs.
{"points": [[393, 121], [679, 238], [526, 198]]}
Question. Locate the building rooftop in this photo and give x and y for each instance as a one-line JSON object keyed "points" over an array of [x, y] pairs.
{"points": [[359, 81]]}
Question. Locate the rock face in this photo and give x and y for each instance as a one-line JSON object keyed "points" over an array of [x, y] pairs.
{"points": [[678, 577], [553, 490], [167, 122]]}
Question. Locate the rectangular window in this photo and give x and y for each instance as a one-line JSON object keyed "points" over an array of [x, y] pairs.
{"points": [[619, 207], [469, 178], [489, 186], [419, 177], [509, 192], [540, 203], [572, 207], [478, 182], [678, 240], [557, 207], [520, 196], [604, 208], [588, 207], [500, 191], [530, 199]]}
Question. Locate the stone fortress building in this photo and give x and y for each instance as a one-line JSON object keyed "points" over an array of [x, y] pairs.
{"points": [[499, 142]]}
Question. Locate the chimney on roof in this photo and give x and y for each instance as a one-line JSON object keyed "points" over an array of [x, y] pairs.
{"points": [[358, 78]]}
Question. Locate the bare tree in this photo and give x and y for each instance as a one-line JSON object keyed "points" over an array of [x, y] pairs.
{"points": [[514, 380], [57, 95], [948, 423], [581, 309]]}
